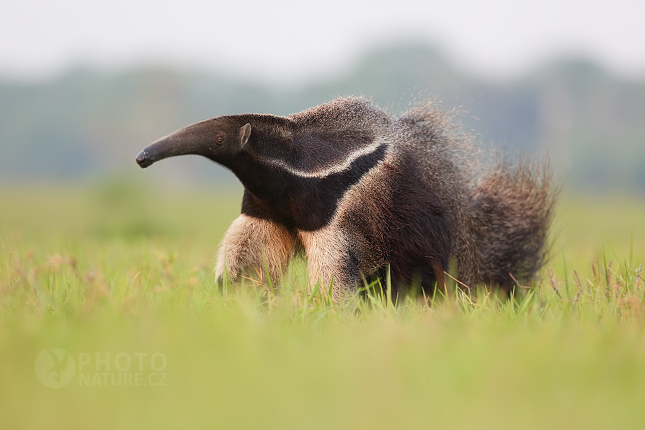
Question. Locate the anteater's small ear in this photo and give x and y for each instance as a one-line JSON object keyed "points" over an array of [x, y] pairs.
{"points": [[245, 133]]}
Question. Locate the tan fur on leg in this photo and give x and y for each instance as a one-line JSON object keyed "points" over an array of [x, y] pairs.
{"points": [[326, 249], [243, 245]]}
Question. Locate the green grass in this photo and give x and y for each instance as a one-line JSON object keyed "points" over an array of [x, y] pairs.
{"points": [[121, 269]]}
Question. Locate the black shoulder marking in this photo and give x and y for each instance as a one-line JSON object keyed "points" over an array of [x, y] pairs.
{"points": [[308, 203], [319, 154]]}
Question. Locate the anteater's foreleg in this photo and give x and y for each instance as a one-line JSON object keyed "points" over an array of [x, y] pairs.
{"points": [[330, 262], [254, 245]]}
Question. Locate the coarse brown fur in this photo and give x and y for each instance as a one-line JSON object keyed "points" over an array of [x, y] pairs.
{"points": [[358, 190]]}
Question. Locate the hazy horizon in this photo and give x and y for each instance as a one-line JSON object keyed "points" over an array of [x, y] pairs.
{"points": [[293, 42]]}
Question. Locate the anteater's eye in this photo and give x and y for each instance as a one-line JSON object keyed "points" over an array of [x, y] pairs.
{"points": [[219, 139]]}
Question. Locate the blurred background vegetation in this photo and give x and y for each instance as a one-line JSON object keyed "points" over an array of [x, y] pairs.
{"points": [[101, 257], [88, 123]]}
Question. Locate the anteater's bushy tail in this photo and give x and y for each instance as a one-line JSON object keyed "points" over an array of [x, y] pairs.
{"points": [[509, 213]]}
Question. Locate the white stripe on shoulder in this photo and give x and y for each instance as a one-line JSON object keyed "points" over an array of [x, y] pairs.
{"points": [[337, 168]]}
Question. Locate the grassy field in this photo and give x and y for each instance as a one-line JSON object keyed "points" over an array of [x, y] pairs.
{"points": [[116, 279]]}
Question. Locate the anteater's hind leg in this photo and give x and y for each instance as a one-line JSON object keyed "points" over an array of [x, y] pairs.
{"points": [[251, 242], [437, 269]]}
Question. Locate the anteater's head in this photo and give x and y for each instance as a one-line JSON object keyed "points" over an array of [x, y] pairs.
{"points": [[217, 138]]}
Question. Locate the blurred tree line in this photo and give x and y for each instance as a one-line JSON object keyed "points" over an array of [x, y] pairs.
{"points": [[88, 123]]}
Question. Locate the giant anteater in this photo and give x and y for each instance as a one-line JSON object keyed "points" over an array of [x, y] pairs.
{"points": [[357, 190]]}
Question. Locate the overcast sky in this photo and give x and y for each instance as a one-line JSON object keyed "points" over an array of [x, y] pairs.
{"points": [[297, 41]]}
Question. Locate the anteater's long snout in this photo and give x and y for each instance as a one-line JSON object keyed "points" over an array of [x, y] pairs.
{"points": [[169, 146], [194, 139], [144, 159]]}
